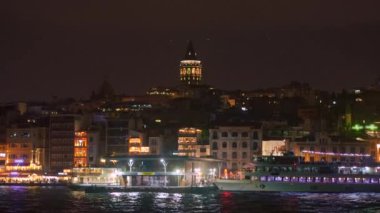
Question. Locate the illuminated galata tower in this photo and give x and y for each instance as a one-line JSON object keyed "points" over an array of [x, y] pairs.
{"points": [[190, 67]]}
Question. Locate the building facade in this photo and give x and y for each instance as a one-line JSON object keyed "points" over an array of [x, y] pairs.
{"points": [[332, 149], [235, 144], [26, 150], [94, 148], [61, 137], [80, 149], [155, 145], [188, 139], [116, 138]]}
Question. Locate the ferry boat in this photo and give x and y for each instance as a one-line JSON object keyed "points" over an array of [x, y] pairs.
{"points": [[291, 174]]}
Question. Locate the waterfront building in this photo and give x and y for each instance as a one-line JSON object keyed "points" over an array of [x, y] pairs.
{"points": [[3, 156], [94, 148], [188, 139], [61, 141], [202, 150], [190, 67], [155, 171], [325, 148], [273, 147], [96, 176], [375, 147], [26, 149], [235, 143], [155, 145], [116, 136], [136, 146], [80, 149]]}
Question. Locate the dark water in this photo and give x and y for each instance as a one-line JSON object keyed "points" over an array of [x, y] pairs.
{"points": [[60, 199]]}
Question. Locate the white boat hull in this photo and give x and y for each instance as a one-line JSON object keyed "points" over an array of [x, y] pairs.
{"points": [[246, 186]]}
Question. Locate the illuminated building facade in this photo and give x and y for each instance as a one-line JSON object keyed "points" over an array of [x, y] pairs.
{"points": [[3, 156], [190, 67], [80, 149], [273, 147], [202, 151], [331, 149], [188, 139], [136, 147], [235, 143], [375, 144], [160, 91], [25, 150]]}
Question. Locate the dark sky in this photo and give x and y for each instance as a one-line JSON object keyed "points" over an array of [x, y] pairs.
{"points": [[66, 49]]}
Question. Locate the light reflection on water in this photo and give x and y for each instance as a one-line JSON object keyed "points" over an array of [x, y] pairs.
{"points": [[60, 199]]}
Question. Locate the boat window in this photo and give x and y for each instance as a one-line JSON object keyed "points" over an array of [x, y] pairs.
{"points": [[302, 179], [263, 178], [278, 179], [317, 179], [294, 179], [326, 180], [333, 180], [374, 180], [270, 178], [285, 179], [309, 179], [341, 180], [358, 180], [350, 180], [365, 180], [254, 178]]}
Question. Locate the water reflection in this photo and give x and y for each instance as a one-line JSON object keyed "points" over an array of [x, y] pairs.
{"points": [[60, 199]]}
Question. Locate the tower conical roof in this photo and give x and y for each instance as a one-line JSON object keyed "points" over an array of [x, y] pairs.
{"points": [[190, 53]]}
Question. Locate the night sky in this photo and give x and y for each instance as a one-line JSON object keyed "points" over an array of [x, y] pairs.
{"points": [[67, 49]]}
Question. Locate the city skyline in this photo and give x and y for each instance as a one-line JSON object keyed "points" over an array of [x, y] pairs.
{"points": [[50, 51]]}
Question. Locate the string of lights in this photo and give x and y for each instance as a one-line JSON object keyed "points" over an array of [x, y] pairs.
{"points": [[336, 154]]}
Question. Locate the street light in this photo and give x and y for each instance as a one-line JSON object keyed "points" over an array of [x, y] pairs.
{"points": [[130, 164], [164, 163]]}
